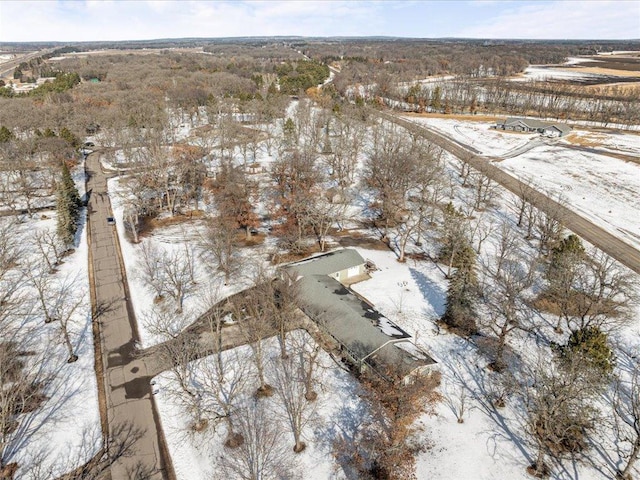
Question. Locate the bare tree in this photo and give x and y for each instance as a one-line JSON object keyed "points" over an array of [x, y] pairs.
{"points": [[481, 229], [505, 298], [485, 190], [291, 391], [322, 215], [262, 455], [606, 292], [68, 297], [23, 383], [307, 350], [220, 244], [50, 247], [118, 443], [559, 398], [150, 269], [389, 171], [385, 446], [224, 384], [549, 223], [179, 353], [178, 267], [255, 324], [626, 409], [588, 289], [168, 272], [298, 183]]}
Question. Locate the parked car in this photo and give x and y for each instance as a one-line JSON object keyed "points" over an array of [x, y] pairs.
{"points": [[111, 220]]}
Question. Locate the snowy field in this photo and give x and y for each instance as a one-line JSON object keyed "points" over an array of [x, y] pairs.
{"points": [[606, 190], [478, 135], [599, 187], [542, 73]]}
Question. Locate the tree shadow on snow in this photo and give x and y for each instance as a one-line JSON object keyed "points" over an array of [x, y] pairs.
{"points": [[344, 428], [481, 388], [430, 291]]}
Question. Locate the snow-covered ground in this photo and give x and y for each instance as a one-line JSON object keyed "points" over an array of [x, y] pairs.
{"points": [[599, 187], [491, 443], [337, 410], [478, 135], [602, 188], [65, 432], [542, 73]]}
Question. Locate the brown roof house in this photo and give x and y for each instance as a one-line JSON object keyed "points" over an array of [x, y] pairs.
{"points": [[368, 340]]}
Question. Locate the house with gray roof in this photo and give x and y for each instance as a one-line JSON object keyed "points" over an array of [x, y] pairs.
{"points": [[367, 338], [548, 129]]}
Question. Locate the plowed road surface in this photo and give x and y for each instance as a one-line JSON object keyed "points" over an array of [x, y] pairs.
{"points": [[589, 231]]}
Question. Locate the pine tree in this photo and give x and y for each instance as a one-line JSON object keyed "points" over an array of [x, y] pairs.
{"points": [[461, 295], [436, 98], [289, 130], [592, 346], [71, 139], [5, 134], [67, 205]]}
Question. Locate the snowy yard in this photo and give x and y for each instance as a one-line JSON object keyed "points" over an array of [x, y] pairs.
{"points": [[337, 410], [491, 442]]}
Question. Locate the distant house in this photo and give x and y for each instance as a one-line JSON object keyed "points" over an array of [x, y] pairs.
{"points": [[368, 340], [547, 129]]}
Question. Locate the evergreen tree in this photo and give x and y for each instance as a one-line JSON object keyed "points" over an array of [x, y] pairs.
{"points": [[563, 272], [592, 346], [289, 130], [461, 295], [67, 206], [71, 139], [5, 134], [436, 98]]}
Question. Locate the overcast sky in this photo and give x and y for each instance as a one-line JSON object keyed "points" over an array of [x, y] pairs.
{"points": [[86, 20]]}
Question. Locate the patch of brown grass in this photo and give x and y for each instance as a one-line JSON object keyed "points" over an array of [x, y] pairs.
{"points": [[348, 238], [613, 88], [421, 256], [294, 256], [603, 71], [576, 305], [257, 239], [150, 224], [589, 140]]}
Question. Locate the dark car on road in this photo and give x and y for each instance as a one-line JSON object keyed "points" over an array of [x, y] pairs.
{"points": [[111, 220]]}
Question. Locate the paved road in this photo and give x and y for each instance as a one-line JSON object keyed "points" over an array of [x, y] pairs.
{"points": [[7, 68], [128, 393], [592, 233]]}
